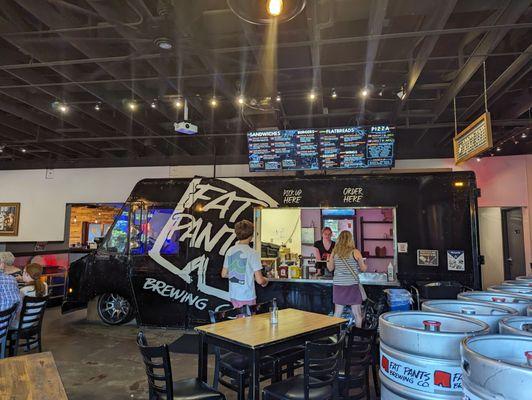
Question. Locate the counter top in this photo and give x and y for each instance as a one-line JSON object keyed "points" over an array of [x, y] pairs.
{"points": [[329, 280]]}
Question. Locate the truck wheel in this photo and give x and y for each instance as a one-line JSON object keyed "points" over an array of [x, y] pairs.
{"points": [[114, 309]]}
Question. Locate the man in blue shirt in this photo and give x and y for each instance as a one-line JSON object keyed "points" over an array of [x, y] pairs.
{"points": [[9, 293]]}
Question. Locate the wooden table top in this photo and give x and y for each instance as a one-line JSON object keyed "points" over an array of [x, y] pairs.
{"points": [[31, 377], [257, 330]]}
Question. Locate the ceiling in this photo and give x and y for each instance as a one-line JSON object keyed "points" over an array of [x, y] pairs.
{"points": [[96, 56]]}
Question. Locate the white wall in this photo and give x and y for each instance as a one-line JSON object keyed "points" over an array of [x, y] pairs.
{"points": [[490, 229], [283, 227]]}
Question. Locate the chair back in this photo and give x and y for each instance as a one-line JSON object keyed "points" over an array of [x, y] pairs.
{"points": [[5, 318], [225, 315], [158, 368], [31, 314], [260, 308], [322, 362]]}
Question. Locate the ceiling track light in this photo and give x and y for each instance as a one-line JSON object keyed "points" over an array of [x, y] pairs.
{"points": [[364, 92], [333, 94], [23, 150], [278, 98], [97, 107], [178, 103], [523, 135], [241, 100], [312, 96], [153, 104], [498, 148], [214, 102], [478, 159]]}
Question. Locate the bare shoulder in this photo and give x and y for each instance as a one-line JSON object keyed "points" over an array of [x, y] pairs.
{"points": [[357, 253]]}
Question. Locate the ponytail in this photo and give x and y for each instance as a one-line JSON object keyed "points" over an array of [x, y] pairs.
{"points": [[40, 288]]}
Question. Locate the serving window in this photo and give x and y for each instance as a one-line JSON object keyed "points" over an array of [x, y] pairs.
{"points": [[287, 235]]}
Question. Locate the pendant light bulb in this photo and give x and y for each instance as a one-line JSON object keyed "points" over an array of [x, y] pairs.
{"points": [[275, 7]]}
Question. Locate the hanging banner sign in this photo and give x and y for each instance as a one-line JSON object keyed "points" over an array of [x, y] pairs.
{"points": [[474, 139]]}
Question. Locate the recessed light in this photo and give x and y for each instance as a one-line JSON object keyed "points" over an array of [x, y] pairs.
{"points": [[163, 43]]}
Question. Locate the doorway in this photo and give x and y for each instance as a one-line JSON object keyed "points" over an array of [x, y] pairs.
{"points": [[513, 243]]}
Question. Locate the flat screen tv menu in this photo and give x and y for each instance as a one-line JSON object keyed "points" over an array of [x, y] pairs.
{"points": [[283, 149], [325, 148]]}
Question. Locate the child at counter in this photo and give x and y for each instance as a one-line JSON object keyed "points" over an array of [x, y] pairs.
{"points": [[243, 267]]}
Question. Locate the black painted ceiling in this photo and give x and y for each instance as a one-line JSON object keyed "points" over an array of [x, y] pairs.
{"points": [[83, 53]]}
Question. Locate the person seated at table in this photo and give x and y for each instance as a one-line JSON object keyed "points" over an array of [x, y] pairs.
{"points": [[243, 267], [7, 261], [33, 286], [9, 293]]}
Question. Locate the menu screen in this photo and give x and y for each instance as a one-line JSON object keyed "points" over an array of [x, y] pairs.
{"points": [[325, 148]]}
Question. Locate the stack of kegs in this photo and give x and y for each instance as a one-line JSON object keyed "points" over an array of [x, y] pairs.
{"points": [[476, 347]]}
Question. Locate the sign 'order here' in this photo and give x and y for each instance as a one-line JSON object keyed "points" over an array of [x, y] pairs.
{"points": [[474, 139]]}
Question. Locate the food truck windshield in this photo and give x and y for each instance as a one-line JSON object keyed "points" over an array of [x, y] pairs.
{"points": [[289, 238]]}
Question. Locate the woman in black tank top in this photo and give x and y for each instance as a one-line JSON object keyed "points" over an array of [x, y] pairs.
{"points": [[324, 247]]}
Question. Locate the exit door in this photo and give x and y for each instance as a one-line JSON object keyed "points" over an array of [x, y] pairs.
{"points": [[513, 243]]}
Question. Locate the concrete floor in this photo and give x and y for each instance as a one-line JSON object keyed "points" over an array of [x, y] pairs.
{"points": [[96, 361], [100, 362]]}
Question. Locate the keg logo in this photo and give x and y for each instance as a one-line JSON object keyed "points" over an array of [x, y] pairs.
{"points": [[385, 364], [442, 378]]}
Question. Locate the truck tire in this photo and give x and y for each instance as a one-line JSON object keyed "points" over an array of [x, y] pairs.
{"points": [[115, 309]]}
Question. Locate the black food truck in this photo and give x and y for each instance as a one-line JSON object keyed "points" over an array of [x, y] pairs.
{"points": [[161, 260]]}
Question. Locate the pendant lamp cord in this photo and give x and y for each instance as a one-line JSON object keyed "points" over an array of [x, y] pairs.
{"points": [[485, 89], [455, 122]]}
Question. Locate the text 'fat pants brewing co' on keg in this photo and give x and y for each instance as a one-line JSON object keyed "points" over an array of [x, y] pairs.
{"points": [[420, 354]]}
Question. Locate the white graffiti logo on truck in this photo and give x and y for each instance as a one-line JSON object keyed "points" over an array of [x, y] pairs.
{"points": [[220, 205]]}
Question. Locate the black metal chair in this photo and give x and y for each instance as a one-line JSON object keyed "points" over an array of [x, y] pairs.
{"points": [[232, 369], [159, 371], [319, 378], [5, 318], [287, 361], [28, 333], [358, 359]]}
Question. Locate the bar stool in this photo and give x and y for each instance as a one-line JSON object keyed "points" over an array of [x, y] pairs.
{"points": [[5, 318], [235, 366], [161, 385], [319, 378]]}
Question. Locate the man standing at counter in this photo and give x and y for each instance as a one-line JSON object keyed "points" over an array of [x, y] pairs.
{"points": [[323, 248], [243, 267]]}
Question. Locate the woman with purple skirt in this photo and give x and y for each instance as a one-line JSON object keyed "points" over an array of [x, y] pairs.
{"points": [[346, 261]]}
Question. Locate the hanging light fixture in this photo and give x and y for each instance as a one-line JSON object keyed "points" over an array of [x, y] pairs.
{"points": [[275, 7], [263, 12]]}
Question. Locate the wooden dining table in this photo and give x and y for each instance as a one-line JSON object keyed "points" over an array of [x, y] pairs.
{"points": [[31, 377], [256, 337]]}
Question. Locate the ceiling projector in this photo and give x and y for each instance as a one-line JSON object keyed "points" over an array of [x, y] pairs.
{"points": [[185, 127]]}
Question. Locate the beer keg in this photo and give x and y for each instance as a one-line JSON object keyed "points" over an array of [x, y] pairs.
{"points": [[497, 367], [516, 326], [515, 289], [515, 301], [487, 312], [420, 354]]}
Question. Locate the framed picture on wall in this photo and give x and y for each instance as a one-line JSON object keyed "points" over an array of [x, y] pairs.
{"points": [[9, 218]]}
